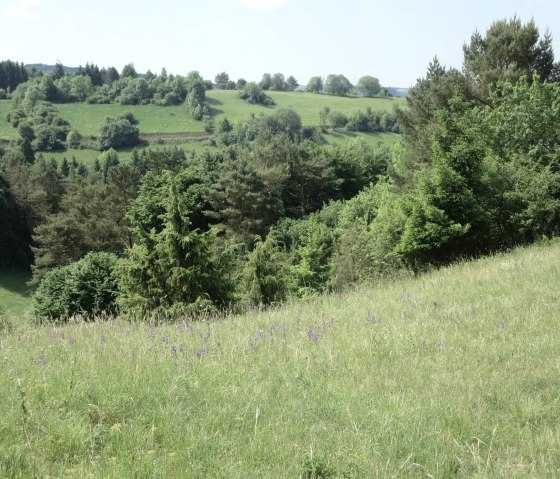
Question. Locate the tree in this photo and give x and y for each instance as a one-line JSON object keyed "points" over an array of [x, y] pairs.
{"points": [[369, 86], [172, 269], [292, 83], [338, 85], [117, 132], [507, 51], [241, 201], [81, 87], [110, 76], [221, 80], [87, 288], [129, 71], [278, 82], [266, 81], [315, 85], [241, 82], [58, 71], [253, 93], [265, 274], [284, 120]]}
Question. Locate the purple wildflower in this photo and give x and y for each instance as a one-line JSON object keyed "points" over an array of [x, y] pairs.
{"points": [[312, 335]]}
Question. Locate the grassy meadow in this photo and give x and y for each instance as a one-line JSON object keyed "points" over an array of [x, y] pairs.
{"points": [[14, 293], [451, 374], [227, 103], [154, 119]]}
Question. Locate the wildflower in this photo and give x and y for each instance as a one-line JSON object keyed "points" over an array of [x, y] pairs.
{"points": [[312, 335], [116, 427]]}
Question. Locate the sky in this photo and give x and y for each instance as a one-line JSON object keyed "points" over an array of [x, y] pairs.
{"points": [[391, 40]]}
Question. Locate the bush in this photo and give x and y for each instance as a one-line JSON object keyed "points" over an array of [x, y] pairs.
{"points": [[117, 132], [86, 287], [48, 138], [73, 139], [253, 93]]}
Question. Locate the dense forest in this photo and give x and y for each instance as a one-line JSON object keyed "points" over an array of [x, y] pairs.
{"points": [[272, 213]]}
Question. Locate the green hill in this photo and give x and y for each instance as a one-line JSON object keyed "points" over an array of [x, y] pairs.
{"points": [[450, 374], [14, 293], [176, 119]]}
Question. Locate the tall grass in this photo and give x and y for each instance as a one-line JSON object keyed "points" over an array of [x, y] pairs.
{"points": [[452, 374]]}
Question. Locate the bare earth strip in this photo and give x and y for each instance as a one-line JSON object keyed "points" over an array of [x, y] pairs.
{"points": [[155, 136]]}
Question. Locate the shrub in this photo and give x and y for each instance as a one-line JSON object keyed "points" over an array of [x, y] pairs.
{"points": [[86, 287], [73, 139], [253, 93], [117, 132]]}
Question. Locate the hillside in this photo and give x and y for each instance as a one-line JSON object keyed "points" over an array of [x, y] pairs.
{"points": [[451, 374], [175, 119]]}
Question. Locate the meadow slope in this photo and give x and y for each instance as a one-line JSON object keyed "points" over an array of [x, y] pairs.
{"points": [[455, 373]]}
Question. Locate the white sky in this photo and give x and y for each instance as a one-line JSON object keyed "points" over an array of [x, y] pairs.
{"points": [[393, 41]]}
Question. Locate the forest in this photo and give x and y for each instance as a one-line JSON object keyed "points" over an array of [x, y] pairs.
{"points": [[271, 213]]}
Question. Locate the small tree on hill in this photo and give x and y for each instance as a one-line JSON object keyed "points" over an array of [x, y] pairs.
{"points": [[292, 83], [315, 85], [369, 86], [117, 132]]}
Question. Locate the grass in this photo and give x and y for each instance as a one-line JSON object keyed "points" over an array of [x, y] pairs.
{"points": [[227, 103], [14, 293], [7, 132], [451, 374], [151, 118], [86, 118], [175, 119]]}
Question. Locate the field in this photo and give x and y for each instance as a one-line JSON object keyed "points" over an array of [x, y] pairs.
{"points": [[14, 293], [451, 374], [175, 119], [308, 105]]}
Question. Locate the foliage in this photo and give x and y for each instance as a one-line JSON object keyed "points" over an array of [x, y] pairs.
{"points": [[173, 267], [265, 273], [254, 93], [508, 51], [315, 85], [266, 81], [87, 288], [368, 86], [117, 132], [337, 85]]}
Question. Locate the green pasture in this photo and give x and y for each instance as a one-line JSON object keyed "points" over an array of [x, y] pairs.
{"points": [[7, 131], [14, 293], [451, 374], [86, 118], [308, 105]]}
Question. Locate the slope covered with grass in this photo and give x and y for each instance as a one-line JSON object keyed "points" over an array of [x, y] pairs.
{"points": [[14, 293], [455, 373]]}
